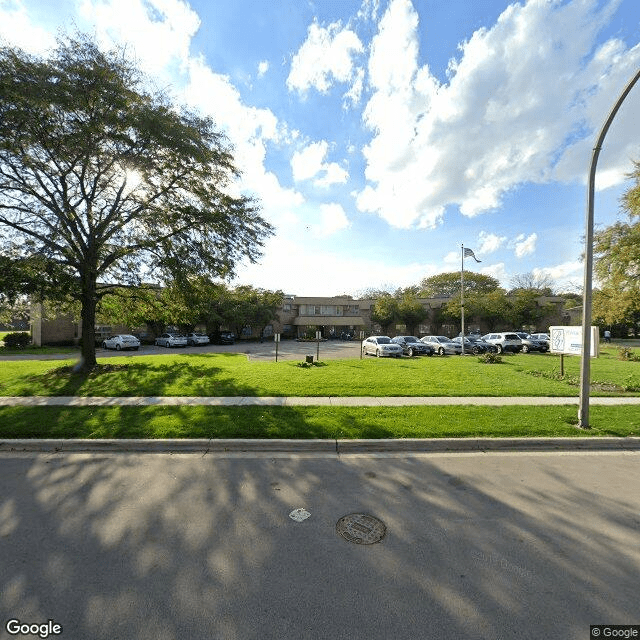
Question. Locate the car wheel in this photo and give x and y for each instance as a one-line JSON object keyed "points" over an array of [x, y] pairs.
{"points": [[118, 347], [377, 353], [410, 353], [104, 345], [441, 351], [477, 351], [499, 347], [525, 349], [429, 353]]}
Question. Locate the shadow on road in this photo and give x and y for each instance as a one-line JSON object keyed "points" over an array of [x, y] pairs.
{"points": [[171, 547]]}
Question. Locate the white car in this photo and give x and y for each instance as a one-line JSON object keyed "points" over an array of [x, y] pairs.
{"points": [[171, 340], [381, 346], [120, 342], [196, 339], [504, 341]]}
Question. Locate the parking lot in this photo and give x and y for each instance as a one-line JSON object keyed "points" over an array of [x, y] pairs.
{"points": [[287, 350]]}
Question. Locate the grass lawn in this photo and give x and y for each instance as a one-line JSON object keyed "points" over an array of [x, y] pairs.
{"points": [[234, 375], [312, 422]]}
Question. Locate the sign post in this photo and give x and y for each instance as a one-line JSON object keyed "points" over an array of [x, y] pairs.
{"points": [[318, 336], [361, 341], [276, 339]]}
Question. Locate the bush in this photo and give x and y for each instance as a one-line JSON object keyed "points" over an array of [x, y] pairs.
{"points": [[624, 353], [490, 358], [17, 340]]}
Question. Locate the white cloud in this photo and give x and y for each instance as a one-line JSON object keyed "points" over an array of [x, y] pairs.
{"points": [[322, 271], [309, 162], [567, 275], [521, 104], [325, 57], [332, 219], [490, 242], [158, 31], [16, 28], [263, 67], [525, 246]]}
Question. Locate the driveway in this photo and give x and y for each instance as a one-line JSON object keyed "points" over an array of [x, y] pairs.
{"points": [[477, 546]]}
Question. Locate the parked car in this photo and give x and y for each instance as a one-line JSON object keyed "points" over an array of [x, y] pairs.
{"points": [[381, 346], [543, 337], [442, 345], [120, 342], [196, 339], [529, 343], [171, 340], [411, 346], [474, 344], [224, 337], [504, 341]]}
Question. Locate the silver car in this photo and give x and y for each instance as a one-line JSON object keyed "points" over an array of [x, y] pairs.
{"points": [[442, 345], [120, 342], [171, 340], [195, 339], [381, 346]]}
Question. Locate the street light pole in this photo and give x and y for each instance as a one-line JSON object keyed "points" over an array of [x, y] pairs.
{"points": [[585, 364]]}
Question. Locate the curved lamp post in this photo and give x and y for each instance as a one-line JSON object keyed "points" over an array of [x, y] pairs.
{"points": [[585, 364]]}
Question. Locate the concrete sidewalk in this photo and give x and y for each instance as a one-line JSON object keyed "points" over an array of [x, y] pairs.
{"points": [[294, 401]]}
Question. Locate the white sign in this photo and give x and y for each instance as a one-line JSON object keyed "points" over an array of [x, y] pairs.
{"points": [[276, 337], [569, 340]]}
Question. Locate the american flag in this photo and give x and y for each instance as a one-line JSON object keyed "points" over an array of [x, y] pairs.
{"points": [[468, 252]]}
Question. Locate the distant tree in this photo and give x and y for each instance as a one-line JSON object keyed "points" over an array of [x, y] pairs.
{"points": [[384, 311], [448, 284], [409, 310], [541, 283], [252, 307], [106, 183]]}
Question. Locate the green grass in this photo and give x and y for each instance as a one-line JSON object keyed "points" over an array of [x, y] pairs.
{"points": [[312, 422], [234, 375]]}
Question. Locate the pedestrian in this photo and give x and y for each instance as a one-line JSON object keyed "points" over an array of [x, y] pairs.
{"points": [[607, 335]]}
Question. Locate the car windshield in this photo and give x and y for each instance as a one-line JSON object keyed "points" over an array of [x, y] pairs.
{"points": [[443, 339], [411, 339], [384, 340]]}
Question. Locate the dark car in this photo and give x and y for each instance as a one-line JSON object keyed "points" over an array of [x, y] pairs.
{"points": [[476, 345], [223, 337], [529, 343], [411, 346]]}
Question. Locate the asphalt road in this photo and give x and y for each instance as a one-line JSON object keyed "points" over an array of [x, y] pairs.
{"points": [[191, 546]]}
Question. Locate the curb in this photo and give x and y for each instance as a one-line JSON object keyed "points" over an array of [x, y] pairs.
{"points": [[336, 447]]}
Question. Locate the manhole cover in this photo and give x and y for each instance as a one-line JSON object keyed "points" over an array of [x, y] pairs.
{"points": [[361, 528]]}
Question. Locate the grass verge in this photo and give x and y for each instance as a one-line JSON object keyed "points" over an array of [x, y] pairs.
{"points": [[313, 422]]}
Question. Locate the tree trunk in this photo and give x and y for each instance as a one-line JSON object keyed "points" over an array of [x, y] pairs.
{"points": [[88, 314]]}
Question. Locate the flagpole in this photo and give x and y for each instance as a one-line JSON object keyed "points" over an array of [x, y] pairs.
{"points": [[462, 296]]}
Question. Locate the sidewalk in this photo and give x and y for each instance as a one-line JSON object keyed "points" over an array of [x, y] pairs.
{"points": [[295, 401]]}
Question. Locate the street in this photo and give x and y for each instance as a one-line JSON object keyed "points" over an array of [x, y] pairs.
{"points": [[477, 545]]}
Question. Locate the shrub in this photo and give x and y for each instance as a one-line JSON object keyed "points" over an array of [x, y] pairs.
{"points": [[624, 353], [490, 358], [17, 340]]}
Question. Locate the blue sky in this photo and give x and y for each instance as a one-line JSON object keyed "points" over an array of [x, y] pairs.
{"points": [[380, 135]]}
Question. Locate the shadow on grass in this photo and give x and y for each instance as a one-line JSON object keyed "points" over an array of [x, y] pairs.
{"points": [[135, 378]]}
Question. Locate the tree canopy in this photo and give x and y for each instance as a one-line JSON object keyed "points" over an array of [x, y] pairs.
{"points": [[447, 285], [105, 183], [617, 262]]}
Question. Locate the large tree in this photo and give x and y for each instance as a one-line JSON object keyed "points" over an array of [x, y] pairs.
{"points": [[105, 181], [617, 262], [447, 285]]}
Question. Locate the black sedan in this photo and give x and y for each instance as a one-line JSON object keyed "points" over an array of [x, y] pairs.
{"points": [[411, 346]]}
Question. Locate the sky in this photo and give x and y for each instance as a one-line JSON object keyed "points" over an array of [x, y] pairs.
{"points": [[381, 135]]}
